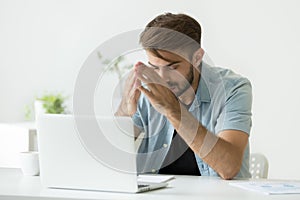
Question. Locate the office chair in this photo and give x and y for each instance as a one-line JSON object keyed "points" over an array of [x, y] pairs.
{"points": [[258, 166]]}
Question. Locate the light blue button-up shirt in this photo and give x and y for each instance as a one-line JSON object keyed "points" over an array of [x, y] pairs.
{"points": [[222, 101]]}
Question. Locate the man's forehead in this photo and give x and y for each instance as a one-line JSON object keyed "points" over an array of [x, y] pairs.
{"points": [[164, 57]]}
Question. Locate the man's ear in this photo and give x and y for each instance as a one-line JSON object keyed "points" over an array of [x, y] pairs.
{"points": [[197, 57]]}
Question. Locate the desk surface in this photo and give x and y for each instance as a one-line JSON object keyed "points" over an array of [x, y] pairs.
{"points": [[13, 185]]}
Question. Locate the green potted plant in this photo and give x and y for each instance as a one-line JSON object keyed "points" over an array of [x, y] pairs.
{"points": [[53, 103]]}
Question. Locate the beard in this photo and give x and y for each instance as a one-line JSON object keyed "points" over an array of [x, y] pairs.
{"points": [[186, 84]]}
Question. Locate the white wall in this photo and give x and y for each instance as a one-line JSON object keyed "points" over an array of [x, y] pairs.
{"points": [[44, 43]]}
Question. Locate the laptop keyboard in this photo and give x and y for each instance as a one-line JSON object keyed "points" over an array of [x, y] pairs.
{"points": [[141, 186]]}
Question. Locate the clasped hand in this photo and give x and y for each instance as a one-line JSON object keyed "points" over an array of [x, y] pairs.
{"points": [[154, 87]]}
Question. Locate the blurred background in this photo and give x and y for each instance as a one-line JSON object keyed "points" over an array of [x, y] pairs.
{"points": [[43, 44]]}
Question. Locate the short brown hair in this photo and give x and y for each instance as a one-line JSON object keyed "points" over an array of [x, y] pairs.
{"points": [[171, 32]]}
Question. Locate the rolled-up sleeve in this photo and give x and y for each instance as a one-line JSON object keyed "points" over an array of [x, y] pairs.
{"points": [[236, 112]]}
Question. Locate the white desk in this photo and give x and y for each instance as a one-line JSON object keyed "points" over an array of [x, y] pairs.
{"points": [[13, 185]]}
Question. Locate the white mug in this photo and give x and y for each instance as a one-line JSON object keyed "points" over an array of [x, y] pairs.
{"points": [[29, 161]]}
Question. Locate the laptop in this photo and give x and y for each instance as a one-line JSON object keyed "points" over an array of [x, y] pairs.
{"points": [[74, 155]]}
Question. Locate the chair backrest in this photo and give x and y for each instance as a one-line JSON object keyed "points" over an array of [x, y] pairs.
{"points": [[258, 165]]}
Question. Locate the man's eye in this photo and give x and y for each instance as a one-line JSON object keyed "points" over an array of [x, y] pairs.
{"points": [[173, 67]]}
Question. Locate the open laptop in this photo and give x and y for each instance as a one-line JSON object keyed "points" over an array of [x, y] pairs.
{"points": [[67, 159]]}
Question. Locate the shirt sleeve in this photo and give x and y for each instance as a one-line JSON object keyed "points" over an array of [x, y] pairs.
{"points": [[236, 113]]}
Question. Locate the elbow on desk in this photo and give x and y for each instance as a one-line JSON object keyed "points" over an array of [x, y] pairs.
{"points": [[228, 174]]}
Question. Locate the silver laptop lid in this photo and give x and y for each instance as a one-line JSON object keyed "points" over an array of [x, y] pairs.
{"points": [[66, 161]]}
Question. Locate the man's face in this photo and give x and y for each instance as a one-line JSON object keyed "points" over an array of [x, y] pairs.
{"points": [[175, 70]]}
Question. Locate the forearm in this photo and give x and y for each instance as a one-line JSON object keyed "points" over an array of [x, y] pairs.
{"points": [[123, 109], [222, 156], [120, 112]]}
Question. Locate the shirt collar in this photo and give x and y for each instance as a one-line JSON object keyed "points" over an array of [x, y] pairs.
{"points": [[202, 93]]}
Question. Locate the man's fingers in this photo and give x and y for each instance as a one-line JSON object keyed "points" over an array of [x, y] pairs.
{"points": [[134, 93], [131, 78], [148, 93], [129, 83], [137, 83], [148, 75]]}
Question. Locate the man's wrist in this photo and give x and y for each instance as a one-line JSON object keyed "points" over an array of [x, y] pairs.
{"points": [[120, 112], [174, 114]]}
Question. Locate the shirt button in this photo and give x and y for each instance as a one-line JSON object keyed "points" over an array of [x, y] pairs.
{"points": [[165, 145], [153, 170]]}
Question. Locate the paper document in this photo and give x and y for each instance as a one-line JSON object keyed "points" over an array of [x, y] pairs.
{"points": [[154, 178], [270, 187]]}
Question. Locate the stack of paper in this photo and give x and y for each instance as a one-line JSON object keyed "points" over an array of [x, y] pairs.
{"points": [[270, 187]]}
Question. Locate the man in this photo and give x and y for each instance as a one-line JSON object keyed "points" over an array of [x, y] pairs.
{"points": [[196, 118]]}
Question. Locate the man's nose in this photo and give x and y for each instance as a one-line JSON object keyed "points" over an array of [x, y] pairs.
{"points": [[164, 74]]}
